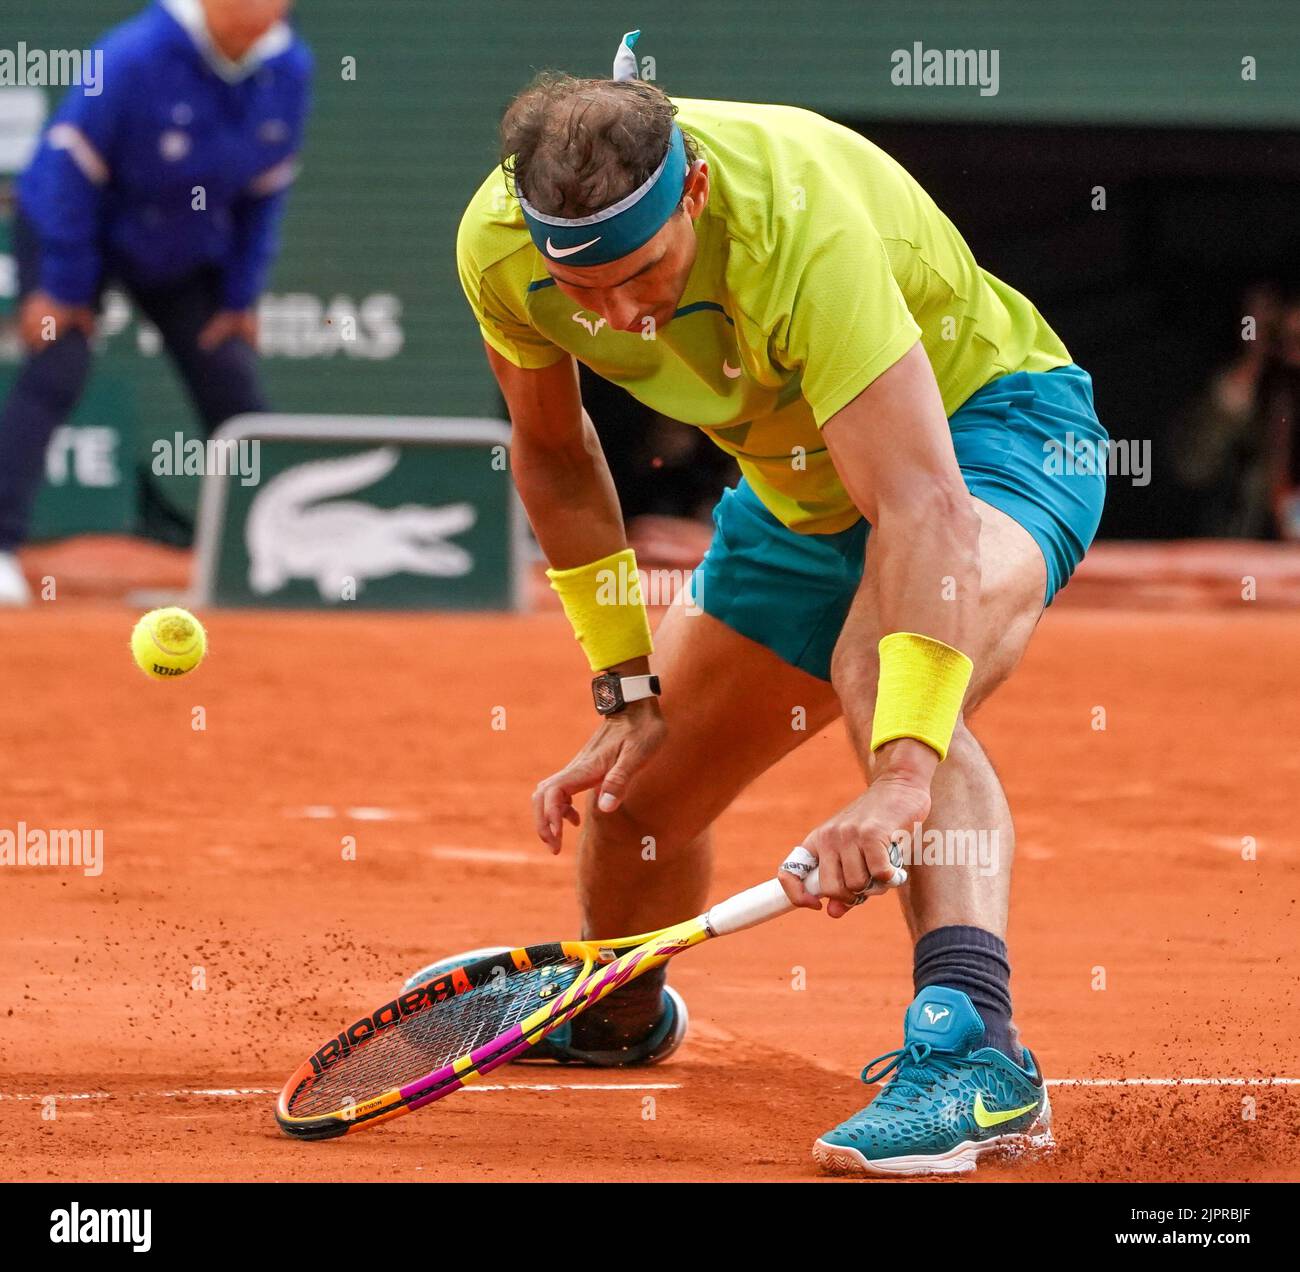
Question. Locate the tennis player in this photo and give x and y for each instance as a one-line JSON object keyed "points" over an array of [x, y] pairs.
{"points": [[779, 282]]}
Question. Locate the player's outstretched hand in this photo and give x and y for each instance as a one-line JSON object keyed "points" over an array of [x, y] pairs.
{"points": [[618, 748], [852, 848]]}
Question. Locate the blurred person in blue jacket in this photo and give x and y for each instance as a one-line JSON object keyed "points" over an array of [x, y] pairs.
{"points": [[168, 177]]}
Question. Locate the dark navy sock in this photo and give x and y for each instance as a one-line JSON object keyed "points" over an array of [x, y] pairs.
{"points": [[975, 962]]}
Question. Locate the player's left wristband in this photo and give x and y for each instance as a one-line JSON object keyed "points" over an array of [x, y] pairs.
{"points": [[602, 601]]}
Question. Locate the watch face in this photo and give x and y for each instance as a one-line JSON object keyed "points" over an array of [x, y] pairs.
{"points": [[605, 691]]}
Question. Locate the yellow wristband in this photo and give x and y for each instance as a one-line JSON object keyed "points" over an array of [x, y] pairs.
{"points": [[922, 685], [604, 607]]}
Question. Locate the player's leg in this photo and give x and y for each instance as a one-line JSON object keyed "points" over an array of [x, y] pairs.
{"points": [[956, 909], [745, 665], [968, 805], [43, 395], [733, 708], [980, 1091], [744, 683], [1038, 519]]}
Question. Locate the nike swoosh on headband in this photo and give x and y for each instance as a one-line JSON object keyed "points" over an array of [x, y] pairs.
{"points": [[560, 252]]}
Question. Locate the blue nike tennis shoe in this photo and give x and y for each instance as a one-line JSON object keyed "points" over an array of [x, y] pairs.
{"points": [[557, 1047], [949, 1101]]}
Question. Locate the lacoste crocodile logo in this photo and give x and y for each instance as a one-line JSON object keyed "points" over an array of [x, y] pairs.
{"points": [[298, 528]]}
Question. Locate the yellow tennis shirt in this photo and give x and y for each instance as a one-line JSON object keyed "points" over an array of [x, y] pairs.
{"points": [[820, 263]]}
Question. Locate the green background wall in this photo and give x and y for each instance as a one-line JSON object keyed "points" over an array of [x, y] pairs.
{"points": [[393, 156]]}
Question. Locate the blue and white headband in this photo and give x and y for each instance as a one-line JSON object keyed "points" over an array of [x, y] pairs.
{"points": [[621, 228]]}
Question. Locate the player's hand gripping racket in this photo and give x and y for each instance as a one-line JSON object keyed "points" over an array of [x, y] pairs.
{"points": [[452, 1030]]}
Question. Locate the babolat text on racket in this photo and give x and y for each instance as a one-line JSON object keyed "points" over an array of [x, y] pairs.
{"points": [[450, 1031]]}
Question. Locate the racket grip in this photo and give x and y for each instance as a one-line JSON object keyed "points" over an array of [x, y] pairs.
{"points": [[754, 906]]}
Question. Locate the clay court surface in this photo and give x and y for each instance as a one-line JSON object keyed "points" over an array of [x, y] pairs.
{"points": [[224, 851]]}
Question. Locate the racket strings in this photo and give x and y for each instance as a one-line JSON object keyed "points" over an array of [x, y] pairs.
{"points": [[431, 1039]]}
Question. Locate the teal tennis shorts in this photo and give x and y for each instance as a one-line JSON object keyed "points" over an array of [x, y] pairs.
{"points": [[1017, 441]]}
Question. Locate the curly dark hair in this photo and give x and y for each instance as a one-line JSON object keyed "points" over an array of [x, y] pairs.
{"points": [[574, 146]]}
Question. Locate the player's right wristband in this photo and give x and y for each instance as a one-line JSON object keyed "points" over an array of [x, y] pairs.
{"points": [[922, 685], [603, 604]]}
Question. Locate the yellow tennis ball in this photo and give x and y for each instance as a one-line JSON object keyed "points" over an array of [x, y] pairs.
{"points": [[168, 643]]}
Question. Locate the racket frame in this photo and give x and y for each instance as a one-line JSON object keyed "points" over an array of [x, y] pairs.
{"points": [[606, 966]]}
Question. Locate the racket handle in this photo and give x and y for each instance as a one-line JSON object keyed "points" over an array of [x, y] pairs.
{"points": [[754, 905]]}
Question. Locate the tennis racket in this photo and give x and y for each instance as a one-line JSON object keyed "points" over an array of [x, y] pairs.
{"points": [[450, 1031]]}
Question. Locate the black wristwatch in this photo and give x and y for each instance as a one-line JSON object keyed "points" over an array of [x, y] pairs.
{"points": [[611, 691]]}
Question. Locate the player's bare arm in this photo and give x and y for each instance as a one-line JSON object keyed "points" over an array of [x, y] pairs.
{"points": [[893, 451], [564, 482]]}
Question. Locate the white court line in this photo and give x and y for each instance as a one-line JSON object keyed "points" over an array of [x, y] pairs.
{"points": [[573, 1086], [1171, 1082], [236, 1093], [361, 812]]}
